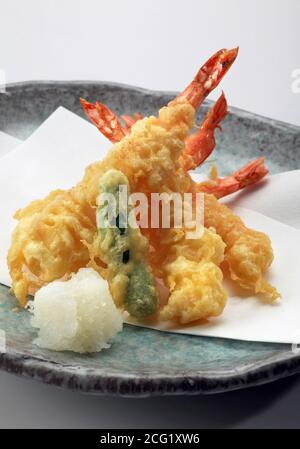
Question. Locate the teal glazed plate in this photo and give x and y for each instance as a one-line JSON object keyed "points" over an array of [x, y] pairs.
{"points": [[144, 362]]}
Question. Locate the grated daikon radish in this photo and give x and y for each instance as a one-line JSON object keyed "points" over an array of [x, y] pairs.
{"points": [[77, 315]]}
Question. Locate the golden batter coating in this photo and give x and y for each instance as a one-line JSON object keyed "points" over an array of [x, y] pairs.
{"points": [[47, 243], [53, 236], [248, 254], [196, 291]]}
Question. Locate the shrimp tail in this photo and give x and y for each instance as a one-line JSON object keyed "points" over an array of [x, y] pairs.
{"points": [[208, 77], [200, 145], [248, 175], [105, 120]]}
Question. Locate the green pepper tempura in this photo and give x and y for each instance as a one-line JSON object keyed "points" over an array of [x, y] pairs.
{"points": [[124, 250]]}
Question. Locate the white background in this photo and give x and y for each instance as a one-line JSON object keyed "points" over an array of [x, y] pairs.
{"points": [[156, 44]]}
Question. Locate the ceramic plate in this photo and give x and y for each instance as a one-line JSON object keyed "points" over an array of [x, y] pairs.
{"points": [[145, 362]]}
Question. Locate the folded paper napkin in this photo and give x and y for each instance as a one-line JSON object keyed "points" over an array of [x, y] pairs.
{"points": [[7, 143], [55, 157]]}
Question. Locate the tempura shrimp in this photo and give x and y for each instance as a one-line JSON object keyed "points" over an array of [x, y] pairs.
{"points": [[248, 253]]}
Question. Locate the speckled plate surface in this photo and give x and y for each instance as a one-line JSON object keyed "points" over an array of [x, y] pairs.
{"points": [[145, 362]]}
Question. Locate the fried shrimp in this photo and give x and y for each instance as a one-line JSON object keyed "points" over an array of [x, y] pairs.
{"points": [[48, 243], [196, 291], [248, 253], [153, 154], [190, 268]]}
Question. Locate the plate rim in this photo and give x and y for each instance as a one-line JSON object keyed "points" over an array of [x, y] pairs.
{"points": [[239, 111], [62, 376]]}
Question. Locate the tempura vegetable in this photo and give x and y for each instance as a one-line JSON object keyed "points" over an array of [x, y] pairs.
{"points": [[124, 250], [141, 298]]}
